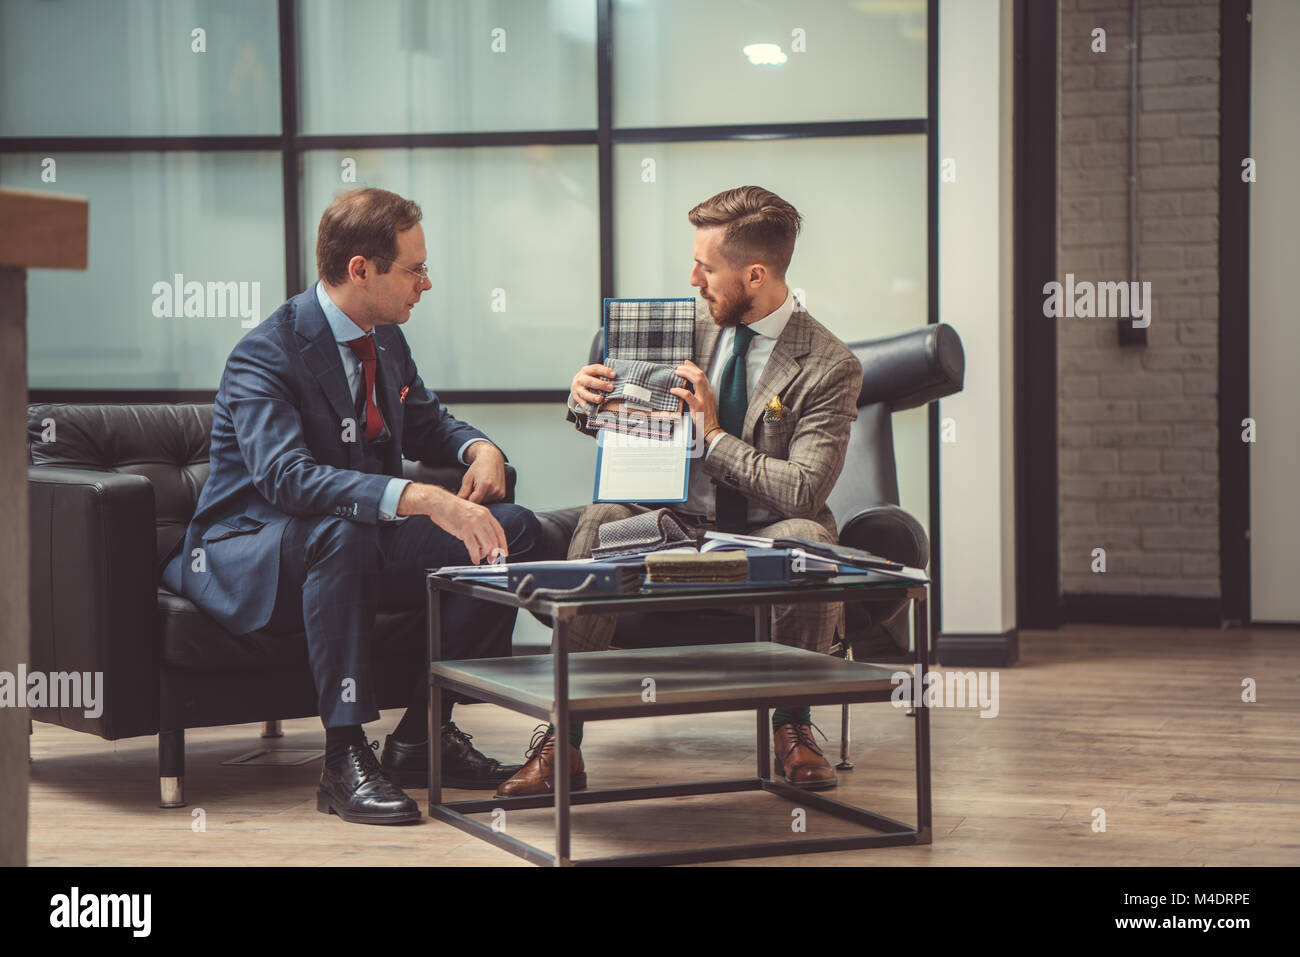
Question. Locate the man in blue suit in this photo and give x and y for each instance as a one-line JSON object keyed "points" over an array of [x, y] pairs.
{"points": [[306, 524]]}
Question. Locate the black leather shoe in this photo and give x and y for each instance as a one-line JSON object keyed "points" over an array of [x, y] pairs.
{"points": [[463, 765], [358, 790]]}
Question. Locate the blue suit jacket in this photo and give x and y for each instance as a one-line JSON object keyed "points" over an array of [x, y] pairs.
{"points": [[278, 451]]}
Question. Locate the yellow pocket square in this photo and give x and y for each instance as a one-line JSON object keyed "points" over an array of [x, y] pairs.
{"points": [[774, 411]]}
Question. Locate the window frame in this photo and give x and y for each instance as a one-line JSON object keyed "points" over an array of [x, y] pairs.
{"points": [[291, 144]]}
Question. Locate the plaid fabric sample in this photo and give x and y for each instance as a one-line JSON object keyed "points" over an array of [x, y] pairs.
{"points": [[652, 330], [645, 385]]}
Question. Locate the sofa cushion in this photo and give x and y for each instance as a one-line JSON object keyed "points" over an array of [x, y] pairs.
{"points": [[194, 642], [167, 444]]}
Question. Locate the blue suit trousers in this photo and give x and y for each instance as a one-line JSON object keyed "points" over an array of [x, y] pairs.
{"points": [[335, 575]]}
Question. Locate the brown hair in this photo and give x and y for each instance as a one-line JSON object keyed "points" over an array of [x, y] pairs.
{"points": [[760, 226], [361, 222]]}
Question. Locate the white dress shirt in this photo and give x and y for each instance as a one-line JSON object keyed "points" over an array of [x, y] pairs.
{"points": [[701, 496]]}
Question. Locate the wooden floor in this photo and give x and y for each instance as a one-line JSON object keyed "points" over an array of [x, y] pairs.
{"points": [[1145, 724]]}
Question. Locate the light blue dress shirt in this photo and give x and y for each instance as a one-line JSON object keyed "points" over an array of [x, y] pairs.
{"points": [[345, 330]]}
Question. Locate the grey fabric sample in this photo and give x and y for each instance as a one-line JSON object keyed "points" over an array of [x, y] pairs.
{"points": [[644, 532], [645, 385]]}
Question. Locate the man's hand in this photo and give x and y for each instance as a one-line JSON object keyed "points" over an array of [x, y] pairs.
{"points": [[587, 388], [702, 403], [472, 523], [485, 479]]}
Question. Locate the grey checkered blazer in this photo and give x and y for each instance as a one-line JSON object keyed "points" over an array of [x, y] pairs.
{"points": [[789, 460]]}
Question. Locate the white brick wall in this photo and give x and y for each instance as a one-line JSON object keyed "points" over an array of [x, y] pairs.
{"points": [[1138, 431]]}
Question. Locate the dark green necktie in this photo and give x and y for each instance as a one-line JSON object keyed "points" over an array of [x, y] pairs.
{"points": [[733, 401]]}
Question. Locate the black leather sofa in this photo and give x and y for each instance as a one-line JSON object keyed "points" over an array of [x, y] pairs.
{"points": [[110, 498], [111, 495]]}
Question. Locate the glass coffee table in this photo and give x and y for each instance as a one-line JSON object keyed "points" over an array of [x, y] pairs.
{"points": [[599, 686]]}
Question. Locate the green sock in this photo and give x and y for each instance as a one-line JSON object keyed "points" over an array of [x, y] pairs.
{"points": [[781, 716], [575, 732]]}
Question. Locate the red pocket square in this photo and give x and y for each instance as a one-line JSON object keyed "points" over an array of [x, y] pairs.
{"points": [[401, 396]]}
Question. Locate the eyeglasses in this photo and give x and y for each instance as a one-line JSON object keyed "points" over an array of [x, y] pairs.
{"points": [[422, 273]]}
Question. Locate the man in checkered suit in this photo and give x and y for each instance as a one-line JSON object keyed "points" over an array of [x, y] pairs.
{"points": [[773, 396]]}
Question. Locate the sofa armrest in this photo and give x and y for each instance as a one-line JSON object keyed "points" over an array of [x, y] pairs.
{"points": [[911, 368], [558, 526], [890, 532], [880, 632], [94, 605], [450, 476]]}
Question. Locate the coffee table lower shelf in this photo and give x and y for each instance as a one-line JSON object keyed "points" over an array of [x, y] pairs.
{"points": [[892, 833]]}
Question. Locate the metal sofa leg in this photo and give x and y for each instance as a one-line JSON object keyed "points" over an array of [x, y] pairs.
{"points": [[845, 721], [845, 725], [272, 729], [171, 768]]}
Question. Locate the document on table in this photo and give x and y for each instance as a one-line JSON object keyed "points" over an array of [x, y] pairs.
{"points": [[815, 557], [495, 575], [640, 468]]}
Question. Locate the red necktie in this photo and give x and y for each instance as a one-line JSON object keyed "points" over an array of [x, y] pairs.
{"points": [[364, 349]]}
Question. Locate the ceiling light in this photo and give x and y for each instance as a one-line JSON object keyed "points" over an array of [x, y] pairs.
{"points": [[765, 54]]}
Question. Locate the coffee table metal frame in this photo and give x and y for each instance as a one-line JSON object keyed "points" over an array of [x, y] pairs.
{"points": [[443, 676]]}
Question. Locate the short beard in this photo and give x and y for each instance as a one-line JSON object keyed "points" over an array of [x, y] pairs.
{"points": [[734, 312]]}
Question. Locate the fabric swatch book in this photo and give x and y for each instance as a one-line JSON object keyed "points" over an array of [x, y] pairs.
{"points": [[644, 439]]}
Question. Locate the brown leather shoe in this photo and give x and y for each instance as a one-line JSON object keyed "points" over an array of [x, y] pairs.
{"points": [[799, 760], [538, 775]]}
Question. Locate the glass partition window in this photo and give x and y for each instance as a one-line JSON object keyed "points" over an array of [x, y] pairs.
{"points": [[513, 240], [717, 62], [514, 232], [139, 68], [860, 260], [185, 256], [401, 66]]}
